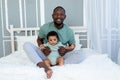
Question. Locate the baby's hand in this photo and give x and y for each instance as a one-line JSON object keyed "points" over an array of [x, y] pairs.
{"points": [[72, 46], [69, 47], [42, 47]]}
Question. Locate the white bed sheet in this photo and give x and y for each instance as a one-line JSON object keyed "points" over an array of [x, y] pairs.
{"points": [[95, 67]]}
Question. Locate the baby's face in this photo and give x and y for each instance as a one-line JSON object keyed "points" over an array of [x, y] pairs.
{"points": [[52, 40]]}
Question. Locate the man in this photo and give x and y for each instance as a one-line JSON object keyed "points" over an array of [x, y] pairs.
{"points": [[66, 36]]}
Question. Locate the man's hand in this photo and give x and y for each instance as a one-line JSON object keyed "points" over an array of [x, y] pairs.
{"points": [[62, 50], [46, 51]]}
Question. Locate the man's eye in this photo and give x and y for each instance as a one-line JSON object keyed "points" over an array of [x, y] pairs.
{"points": [[59, 14]]}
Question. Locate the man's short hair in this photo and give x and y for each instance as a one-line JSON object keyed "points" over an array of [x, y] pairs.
{"points": [[59, 7]]}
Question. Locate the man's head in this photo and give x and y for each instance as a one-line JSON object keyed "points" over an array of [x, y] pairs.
{"points": [[58, 15]]}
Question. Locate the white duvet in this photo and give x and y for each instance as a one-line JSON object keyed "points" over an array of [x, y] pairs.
{"points": [[95, 67]]}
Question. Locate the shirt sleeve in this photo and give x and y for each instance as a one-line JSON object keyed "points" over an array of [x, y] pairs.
{"points": [[71, 38], [41, 32]]}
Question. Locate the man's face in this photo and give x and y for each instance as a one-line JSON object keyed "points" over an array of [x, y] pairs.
{"points": [[58, 16]]}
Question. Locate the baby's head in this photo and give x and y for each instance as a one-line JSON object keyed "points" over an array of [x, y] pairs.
{"points": [[52, 38]]}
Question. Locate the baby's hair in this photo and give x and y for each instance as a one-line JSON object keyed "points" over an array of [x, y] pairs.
{"points": [[52, 33]]}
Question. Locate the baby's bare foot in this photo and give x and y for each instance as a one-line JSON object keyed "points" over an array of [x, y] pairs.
{"points": [[49, 73]]}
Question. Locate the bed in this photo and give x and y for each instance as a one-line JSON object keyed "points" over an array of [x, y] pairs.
{"points": [[17, 66]]}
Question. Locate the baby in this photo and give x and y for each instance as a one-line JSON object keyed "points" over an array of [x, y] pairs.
{"points": [[53, 43]]}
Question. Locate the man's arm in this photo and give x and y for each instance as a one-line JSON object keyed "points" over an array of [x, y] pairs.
{"points": [[62, 50], [39, 41]]}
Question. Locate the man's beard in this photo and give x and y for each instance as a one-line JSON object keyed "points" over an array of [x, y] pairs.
{"points": [[58, 24]]}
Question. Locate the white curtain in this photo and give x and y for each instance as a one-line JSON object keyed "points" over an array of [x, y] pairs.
{"points": [[102, 17]]}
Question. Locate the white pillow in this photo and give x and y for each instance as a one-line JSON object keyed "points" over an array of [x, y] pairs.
{"points": [[22, 39]]}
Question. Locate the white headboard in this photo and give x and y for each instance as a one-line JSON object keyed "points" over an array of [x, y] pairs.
{"points": [[80, 33]]}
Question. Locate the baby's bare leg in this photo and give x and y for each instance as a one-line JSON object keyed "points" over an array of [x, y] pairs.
{"points": [[47, 62], [60, 61]]}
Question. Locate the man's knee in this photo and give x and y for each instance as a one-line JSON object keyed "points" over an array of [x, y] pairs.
{"points": [[26, 44], [74, 57]]}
